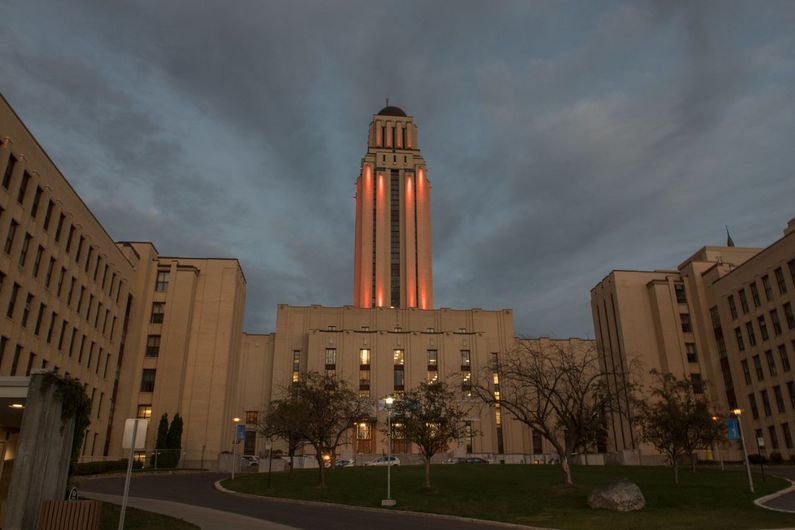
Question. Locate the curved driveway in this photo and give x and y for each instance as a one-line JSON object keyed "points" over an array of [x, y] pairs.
{"points": [[197, 489]]}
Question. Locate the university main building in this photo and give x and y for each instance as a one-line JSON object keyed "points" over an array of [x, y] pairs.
{"points": [[150, 334]]}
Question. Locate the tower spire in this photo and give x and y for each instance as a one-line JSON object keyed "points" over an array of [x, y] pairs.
{"points": [[729, 240]]}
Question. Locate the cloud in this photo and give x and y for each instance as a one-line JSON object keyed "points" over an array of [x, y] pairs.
{"points": [[563, 139]]}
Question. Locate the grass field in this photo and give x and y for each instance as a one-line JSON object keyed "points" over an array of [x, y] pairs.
{"points": [[533, 495], [139, 520]]}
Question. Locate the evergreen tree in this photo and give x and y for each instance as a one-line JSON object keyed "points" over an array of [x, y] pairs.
{"points": [[174, 441], [160, 444]]}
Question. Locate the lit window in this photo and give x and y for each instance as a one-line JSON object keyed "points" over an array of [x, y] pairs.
{"points": [[144, 412], [331, 356], [252, 417], [364, 356], [398, 355]]}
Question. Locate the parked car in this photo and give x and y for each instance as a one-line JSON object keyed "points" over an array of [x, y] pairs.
{"points": [[454, 461], [384, 461], [343, 463], [249, 460], [472, 460]]}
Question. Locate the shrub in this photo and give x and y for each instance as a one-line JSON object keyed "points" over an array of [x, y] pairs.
{"points": [[756, 458], [95, 468], [776, 458]]}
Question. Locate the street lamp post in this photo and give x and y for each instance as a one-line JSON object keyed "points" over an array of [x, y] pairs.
{"points": [[737, 413], [717, 443], [389, 501], [235, 420]]}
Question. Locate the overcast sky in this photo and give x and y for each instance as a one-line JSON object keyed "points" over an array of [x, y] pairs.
{"points": [[563, 139]]}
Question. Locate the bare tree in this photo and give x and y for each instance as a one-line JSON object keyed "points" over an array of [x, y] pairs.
{"points": [[327, 408], [431, 417], [677, 420], [283, 420], [561, 393]]}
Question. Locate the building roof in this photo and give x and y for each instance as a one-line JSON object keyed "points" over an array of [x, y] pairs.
{"points": [[391, 111]]}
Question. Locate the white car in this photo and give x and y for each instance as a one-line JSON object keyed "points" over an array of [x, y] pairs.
{"points": [[250, 460], [384, 461]]}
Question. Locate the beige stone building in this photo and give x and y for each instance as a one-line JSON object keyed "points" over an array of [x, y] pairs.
{"points": [[65, 287], [692, 321]]}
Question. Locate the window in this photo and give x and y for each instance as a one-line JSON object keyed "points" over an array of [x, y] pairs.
{"points": [[763, 327], [53, 317], [743, 301], [148, 380], [681, 298], [791, 392], [59, 285], [466, 359], [732, 307], [23, 253], [788, 314], [791, 265], [12, 301], [698, 383], [252, 417], [12, 232], [782, 285], [161, 285], [48, 276], [34, 208], [746, 372], [760, 375], [37, 261], [433, 377], [771, 431], [69, 238], [779, 398], [331, 357], [766, 403], [784, 357], [787, 435], [771, 363], [158, 312], [153, 345], [12, 161], [23, 187], [296, 365], [48, 215], [749, 328], [767, 288], [31, 359], [739, 336], [433, 359], [364, 438], [776, 322], [144, 411], [755, 295], [399, 370], [754, 408], [364, 378], [26, 310], [364, 356], [690, 348]]}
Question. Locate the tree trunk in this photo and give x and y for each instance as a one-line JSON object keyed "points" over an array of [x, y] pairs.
{"points": [[566, 468], [427, 472], [693, 460], [676, 470], [319, 458]]}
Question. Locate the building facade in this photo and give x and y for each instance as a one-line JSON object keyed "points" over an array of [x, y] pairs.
{"points": [[692, 321]]}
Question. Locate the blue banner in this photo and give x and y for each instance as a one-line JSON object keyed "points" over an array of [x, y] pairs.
{"points": [[732, 429], [240, 434]]}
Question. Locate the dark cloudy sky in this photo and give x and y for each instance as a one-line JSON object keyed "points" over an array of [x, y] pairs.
{"points": [[563, 139]]}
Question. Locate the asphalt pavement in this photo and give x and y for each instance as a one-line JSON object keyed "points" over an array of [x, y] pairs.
{"points": [[197, 490]]}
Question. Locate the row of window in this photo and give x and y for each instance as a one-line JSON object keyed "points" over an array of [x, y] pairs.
{"points": [[93, 262], [767, 287], [778, 395], [764, 332], [103, 322], [771, 432], [771, 364]]}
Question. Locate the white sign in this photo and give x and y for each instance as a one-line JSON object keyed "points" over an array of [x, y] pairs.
{"points": [[760, 442], [140, 434]]}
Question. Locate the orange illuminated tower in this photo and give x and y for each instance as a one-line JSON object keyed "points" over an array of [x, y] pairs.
{"points": [[393, 218]]}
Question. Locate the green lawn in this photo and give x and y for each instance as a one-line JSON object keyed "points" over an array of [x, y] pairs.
{"points": [[139, 519], [533, 495]]}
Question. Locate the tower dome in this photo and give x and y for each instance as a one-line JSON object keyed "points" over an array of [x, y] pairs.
{"points": [[391, 110]]}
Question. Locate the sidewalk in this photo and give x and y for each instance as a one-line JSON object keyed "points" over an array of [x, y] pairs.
{"points": [[205, 518]]}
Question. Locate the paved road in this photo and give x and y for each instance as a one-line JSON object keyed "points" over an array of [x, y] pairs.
{"points": [[197, 489], [786, 501]]}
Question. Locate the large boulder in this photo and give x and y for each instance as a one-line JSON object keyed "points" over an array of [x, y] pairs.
{"points": [[620, 495]]}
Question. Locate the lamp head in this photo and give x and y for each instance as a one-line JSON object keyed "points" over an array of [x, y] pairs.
{"points": [[737, 412], [389, 400], [236, 419]]}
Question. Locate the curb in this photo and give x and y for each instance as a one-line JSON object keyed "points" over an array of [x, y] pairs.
{"points": [[398, 512], [761, 500]]}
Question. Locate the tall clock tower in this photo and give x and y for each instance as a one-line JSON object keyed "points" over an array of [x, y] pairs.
{"points": [[393, 218]]}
